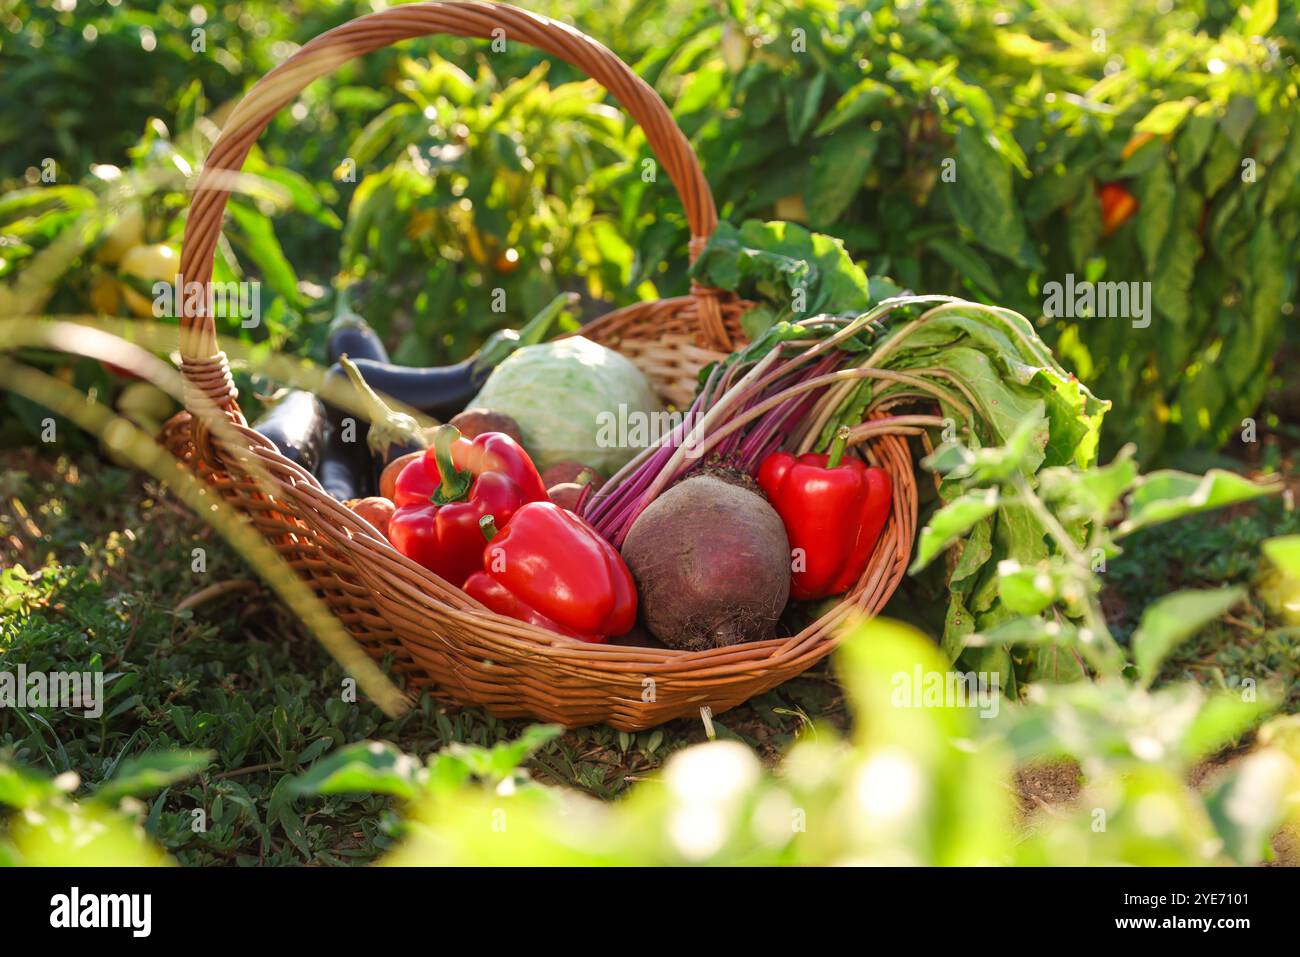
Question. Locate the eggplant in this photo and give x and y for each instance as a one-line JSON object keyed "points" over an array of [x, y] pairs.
{"points": [[440, 392], [357, 340], [345, 469], [443, 391], [296, 424], [350, 335]]}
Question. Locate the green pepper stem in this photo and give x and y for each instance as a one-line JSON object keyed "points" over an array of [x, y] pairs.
{"points": [[342, 303], [536, 328], [838, 447], [488, 526], [455, 483]]}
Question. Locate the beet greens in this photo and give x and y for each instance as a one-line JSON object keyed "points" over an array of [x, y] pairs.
{"points": [[936, 367]]}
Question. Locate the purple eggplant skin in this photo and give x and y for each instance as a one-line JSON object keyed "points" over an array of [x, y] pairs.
{"points": [[353, 337], [296, 424], [350, 335], [346, 469], [440, 391]]}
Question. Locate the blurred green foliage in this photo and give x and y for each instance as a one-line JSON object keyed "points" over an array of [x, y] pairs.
{"points": [[917, 784], [921, 781], [93, 72], [48, 828], [489, 198], [958, 147]]}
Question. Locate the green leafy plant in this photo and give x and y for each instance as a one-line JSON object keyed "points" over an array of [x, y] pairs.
{"points": [[836, 117], [957, 147], [62, 241], [897, 792], [1036, 611], [69, 248], [97, 72], [1135, 750], [493, 195]]}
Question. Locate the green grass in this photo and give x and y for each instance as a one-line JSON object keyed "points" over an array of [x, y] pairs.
{"points": [[238, 676]]}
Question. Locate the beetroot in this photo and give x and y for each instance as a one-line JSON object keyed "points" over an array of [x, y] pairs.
{"points": [[711, 562]]}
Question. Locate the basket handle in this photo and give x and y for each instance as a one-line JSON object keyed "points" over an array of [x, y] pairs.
{"points": [[203, 364]]}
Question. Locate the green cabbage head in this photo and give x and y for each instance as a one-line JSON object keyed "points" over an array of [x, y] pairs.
{"points": [[576, 400]]}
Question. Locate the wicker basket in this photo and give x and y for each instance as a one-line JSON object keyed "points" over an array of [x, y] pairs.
{"points": [[435, 634]]}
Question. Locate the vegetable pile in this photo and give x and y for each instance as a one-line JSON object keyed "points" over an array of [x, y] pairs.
{"points": [[762, 500]]}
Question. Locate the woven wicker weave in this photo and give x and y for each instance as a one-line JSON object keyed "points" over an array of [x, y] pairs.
{"points": [[435, 634]]}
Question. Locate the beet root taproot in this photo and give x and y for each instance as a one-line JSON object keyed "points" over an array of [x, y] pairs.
{"points": [[711, 562]]}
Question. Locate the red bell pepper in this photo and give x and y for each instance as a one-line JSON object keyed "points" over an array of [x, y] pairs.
{"points": [[441, 496], [550, 568], [833, 510]]}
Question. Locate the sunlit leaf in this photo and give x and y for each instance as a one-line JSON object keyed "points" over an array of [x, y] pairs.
{"points": [[1284, 552], [143, 775], [1170, 620], [369, 767], [951, 522], [1168, 494]]}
